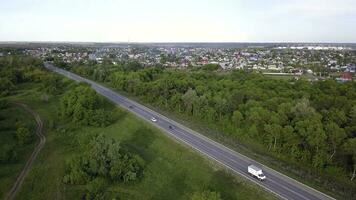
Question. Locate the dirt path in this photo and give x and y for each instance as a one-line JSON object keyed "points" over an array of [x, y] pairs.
{"points": [[17, 185]]}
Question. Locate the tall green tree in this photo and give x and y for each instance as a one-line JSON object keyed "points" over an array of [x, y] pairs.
{"points": [[350, 148], [189, 99], [335, 135], [273, 134], [237, 118]]}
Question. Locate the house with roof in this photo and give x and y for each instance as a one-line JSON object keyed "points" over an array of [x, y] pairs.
{"points": [[346, 76]]}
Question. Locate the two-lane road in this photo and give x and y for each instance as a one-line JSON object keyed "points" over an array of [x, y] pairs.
{"points": [[277, 183]]}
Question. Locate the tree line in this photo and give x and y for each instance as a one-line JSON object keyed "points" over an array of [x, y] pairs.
{"points": [[14, 70]]}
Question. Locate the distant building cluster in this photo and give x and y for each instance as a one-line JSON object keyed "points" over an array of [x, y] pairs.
{"points": [[318, 62]]}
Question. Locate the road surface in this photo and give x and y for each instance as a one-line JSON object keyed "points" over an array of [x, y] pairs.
{"points": [[17, 185], [277, 183]]}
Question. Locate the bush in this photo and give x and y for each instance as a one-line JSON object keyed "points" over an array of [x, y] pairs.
{"points": [[8, 153], [81, 104], [96, 189], [52, 84], [3, 104], [6, 86], [23, 134], [100, 118], [75, 172], [103, 157]]}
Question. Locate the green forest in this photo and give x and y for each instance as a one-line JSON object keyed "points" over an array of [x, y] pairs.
{"points": [[94, 150], [309, 127]]}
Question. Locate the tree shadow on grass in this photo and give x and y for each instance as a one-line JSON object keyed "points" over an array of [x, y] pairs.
{"points": [[140, 143], [223, 183], [175, 188], [117, 115]]}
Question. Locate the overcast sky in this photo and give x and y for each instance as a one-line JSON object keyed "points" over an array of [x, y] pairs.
{"points": [[178, 20]]}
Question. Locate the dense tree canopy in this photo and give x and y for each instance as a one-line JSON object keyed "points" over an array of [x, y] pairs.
{"points": [[15, 70], [104, 157], [81, 105]]}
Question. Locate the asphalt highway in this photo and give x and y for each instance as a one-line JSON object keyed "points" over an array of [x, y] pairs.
{"points": [[280, 185]]}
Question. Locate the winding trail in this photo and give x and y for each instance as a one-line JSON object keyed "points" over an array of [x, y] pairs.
{"points": [[17, 185]]}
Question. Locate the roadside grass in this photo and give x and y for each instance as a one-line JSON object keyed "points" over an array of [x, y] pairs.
{"points": [[173, 171], [10, 170]]}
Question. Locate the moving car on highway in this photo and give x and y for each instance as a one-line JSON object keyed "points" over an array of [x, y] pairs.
{"points": [[153, 119]]}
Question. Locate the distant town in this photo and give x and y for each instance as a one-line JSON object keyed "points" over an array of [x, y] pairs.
{"points": [[313, 61]]}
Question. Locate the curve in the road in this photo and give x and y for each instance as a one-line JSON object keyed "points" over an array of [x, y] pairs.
{"points": [[17, 185]]}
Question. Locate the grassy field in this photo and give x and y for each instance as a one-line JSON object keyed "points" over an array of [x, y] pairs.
{"points": [[9, 171], [172, 170]]}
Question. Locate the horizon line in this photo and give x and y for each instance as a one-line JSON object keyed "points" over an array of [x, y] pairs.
{"points": [[170, 42]]}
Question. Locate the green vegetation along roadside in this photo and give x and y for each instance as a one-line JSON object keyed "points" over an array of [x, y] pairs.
{"points": [[169, 169], [303, 129]]}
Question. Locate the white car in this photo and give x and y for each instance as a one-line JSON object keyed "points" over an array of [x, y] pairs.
{"points": [[153, 119]]}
